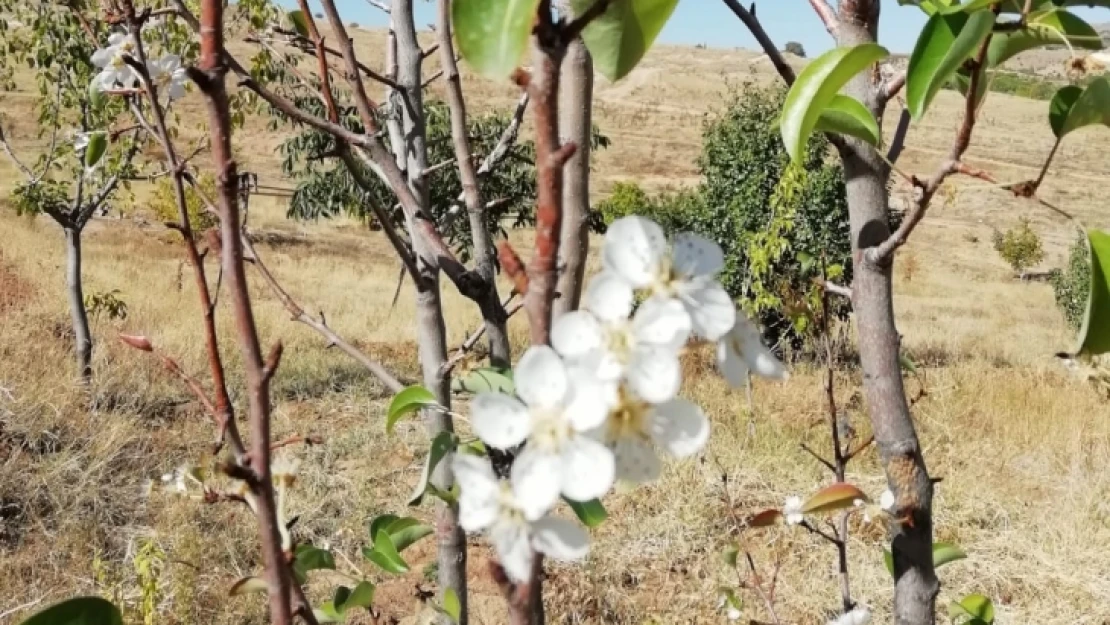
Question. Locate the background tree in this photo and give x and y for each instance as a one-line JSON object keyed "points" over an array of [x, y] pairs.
{"points": [[795, 48], [1019, 246], [88, 157]]}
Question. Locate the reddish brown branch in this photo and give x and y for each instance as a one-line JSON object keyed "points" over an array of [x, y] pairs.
{"points": [[513, 266]]}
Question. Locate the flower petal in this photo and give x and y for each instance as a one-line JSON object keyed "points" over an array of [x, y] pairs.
{"points": [[654, 374], [680, 427], [588, 469], [662, 323], [591, 398], [478, 491], [536, 479], [731, 364], [102, 57], [636, 460], [499, 420], [576, 334], [744, 338], [712, 311], [560, 539], [609, 297], [634, 247], [695, 255], [512, 543], [541, 378]]}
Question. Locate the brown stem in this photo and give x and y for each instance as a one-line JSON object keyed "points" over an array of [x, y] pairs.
{"points": [[210, 77]]}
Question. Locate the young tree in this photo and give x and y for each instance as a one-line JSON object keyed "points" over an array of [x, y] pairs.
{"points": [[88, 156]]}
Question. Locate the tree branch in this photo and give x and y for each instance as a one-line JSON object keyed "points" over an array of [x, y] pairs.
{"points": [[828, 16], [772, 51]]}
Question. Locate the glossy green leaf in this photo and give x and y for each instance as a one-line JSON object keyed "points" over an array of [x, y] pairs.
{"points": [[486, 380], [380, 523], [361, 597], [848, 116], [385, 555], [835, 497], [442, 444], [78, 611], [592, 513], [451, 605], [1071, 109], [408, 401], [300, 23], [888, 561], [944, 44], [1044, 28], [1094, 336], [817, 85], [406, 531], [327, 613], [97, 147], [309, 558], [976, 606], [492, 35], [962, 82], [96, 95], [943, 553], [621, 36]]}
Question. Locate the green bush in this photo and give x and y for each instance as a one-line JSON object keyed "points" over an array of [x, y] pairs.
{"points": [[1019, 246], [776, 226], [1071, 285], [163, 203]]}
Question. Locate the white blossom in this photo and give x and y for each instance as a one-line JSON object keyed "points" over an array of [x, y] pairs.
{"points": [[113, 69], [556, 406], [643, 350], [497, 506], [792, 511], [742, 350], [637, 250], [858, 616], [635, 428], [169, 76], [886, 501]]}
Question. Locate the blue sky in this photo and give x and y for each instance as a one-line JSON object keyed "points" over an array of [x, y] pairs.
{"points": [[710, 22]]}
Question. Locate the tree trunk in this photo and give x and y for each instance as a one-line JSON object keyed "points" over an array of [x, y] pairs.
{"points": [[432, 337], [575, 125], [78, 314], [866, 173]]}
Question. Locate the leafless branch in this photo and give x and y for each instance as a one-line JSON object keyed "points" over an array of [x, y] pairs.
{"points": [[764, 40], [828, 16]]}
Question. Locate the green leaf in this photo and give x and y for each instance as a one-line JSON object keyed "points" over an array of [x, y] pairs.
{"points": [[404, 532], [943, 553], [341, 595], [308, 558], [1094, 336], [621, 36], [1071, 110], [906, 362], [817, 85], [730, 554], [451, 606], [1051, 27], [943, 46], [327, 613], [835, 497], [592, 513], [248, 585], [381, 523], [361, 597], [407, 402], [492, 35], [486, 380], [888, 561], [385, 555], [442, 444], [848, 116], [96, 95], [976, 606], [98, 146], [78, 611], [300, 23]]}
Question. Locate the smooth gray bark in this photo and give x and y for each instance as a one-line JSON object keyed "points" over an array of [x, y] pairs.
{"points": [[75, 293], [575, 125], [867, 174], [432, 337]]}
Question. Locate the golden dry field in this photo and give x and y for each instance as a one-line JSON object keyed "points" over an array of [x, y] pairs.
{"points": [[1023, 446]]}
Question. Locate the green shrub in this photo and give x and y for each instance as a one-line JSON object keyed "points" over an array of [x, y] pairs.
{"points": [[1071, 285], [795, 48], [163, 203], [1019, 246]]}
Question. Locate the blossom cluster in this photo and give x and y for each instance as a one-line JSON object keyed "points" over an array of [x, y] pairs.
{"points": [[166, 72], [596, 405]]}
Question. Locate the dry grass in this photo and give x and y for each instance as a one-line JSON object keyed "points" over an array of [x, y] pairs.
{"points": [[1021, 446]]}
